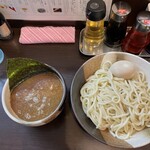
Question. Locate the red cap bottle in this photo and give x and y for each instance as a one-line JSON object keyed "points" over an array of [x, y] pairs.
{"points": [[138, 37]]}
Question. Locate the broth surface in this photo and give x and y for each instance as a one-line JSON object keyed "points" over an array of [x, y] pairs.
{"points": [[37, 97]]}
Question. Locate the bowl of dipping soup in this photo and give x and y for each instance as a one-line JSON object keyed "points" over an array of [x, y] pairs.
{"points": [[35, 99]]}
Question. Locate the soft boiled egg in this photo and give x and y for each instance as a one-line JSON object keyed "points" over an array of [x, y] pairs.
{"points": [[123, 69]]}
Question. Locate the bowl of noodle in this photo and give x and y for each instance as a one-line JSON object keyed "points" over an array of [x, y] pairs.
{"points": [[114, 110]]}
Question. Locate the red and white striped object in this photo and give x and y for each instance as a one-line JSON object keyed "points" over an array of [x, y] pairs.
{"points": [[48, 34]]}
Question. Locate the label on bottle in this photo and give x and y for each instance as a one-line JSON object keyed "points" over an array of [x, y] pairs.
{"points": [[4, 30]]}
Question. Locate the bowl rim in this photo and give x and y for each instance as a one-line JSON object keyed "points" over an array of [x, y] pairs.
{"points": [[71, 91], [43, 120]]}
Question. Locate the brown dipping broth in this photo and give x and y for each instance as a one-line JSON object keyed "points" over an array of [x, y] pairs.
{"points": [[37, 97]]}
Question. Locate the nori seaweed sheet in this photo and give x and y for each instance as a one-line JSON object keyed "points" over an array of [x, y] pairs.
{"points": [[19, 69]]}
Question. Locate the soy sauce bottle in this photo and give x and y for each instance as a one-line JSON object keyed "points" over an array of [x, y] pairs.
{"points": [[117, 25]]}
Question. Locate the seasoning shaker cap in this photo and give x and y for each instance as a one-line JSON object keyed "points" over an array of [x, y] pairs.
{"points": [[95, 10], [120, 11], [143, 21]]}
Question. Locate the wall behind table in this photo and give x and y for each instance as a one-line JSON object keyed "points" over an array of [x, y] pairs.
{"points": [[136, 5]]}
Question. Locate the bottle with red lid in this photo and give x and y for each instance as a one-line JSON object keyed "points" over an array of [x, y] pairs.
{"points": [[138, 37]]}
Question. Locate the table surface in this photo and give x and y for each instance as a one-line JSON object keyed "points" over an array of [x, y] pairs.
{"points": [[63, 133]]}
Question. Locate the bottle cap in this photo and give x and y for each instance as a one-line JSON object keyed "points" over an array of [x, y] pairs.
{"points": [[120, 11], [95, 10], [143, 21]]}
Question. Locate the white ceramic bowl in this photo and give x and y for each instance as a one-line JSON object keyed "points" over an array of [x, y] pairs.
{"points": [[7, 107], [89, 68]]}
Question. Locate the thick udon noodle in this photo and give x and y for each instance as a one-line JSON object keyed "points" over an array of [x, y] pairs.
{"points": [[119, 105]]}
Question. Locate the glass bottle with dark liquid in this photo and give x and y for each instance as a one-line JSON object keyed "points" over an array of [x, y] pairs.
{"points": [[138, 37], [116, 29]]}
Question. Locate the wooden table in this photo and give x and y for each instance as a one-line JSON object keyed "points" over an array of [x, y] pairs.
{"points": [[63, 133]]}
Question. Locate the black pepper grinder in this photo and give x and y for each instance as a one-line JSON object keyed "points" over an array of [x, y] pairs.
{"points": [[116, 29], [5, 29]]}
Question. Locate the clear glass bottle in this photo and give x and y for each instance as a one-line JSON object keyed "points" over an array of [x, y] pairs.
{"points": [[138, 37], [93, 33], [117, 25], [5, 29]]}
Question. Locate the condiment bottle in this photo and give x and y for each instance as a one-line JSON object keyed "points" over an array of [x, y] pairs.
{"points": [[138, 37], [117, 25], [5, 29], [94, 31]]}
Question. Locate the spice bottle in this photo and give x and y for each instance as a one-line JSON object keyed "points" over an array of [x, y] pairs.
{"points": [[94, 31], [138, 37], [117, 25], [5, 29]]}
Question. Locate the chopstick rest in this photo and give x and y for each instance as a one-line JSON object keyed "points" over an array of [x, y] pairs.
{"points": [[47, 34]]}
